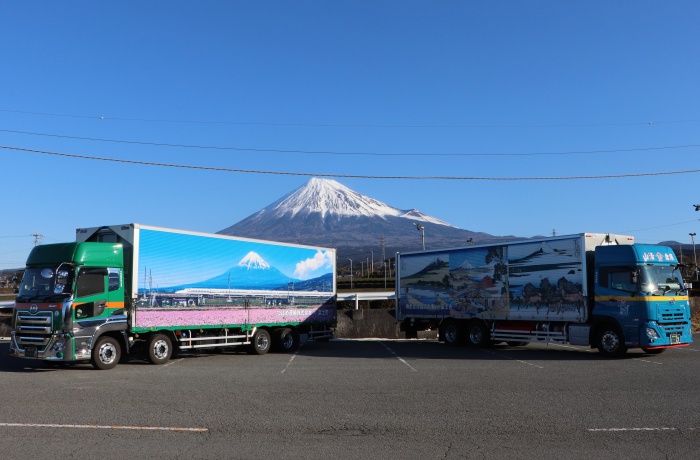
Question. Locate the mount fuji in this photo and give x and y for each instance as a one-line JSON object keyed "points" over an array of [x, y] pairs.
{"points": [[251, 272], [324, 212]]}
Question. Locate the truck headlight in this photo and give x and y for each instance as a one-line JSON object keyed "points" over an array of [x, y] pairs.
{"points": [[59, 345], [652, 333]]}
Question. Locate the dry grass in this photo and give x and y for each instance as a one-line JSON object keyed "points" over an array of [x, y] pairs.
{"points": [[696, 321]]}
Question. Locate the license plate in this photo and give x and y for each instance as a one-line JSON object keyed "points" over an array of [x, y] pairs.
{"points": [[30, 352], [675, 338]]}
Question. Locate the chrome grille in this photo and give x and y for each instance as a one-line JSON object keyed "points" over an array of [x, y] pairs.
{"points": [[33, 330]]}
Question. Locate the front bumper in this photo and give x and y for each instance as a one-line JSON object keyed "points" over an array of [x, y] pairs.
{"points": [[655, 335], [57, 347]]}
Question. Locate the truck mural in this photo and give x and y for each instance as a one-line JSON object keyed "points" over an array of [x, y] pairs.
{"points": [[498, 281], [592, 289], [131, 289], [229, 281]]}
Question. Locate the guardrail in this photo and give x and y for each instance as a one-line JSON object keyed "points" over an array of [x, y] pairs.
{"points": [[357, 296]]}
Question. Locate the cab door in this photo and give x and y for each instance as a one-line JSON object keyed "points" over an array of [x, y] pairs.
{"points": [[91, 294], [617, 296]]}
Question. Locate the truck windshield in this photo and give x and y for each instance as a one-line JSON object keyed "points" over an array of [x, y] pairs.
{"points": [[45, 284], [657, 279]]}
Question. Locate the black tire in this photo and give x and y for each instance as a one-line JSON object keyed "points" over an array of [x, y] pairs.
{"points": [[286, 340], [412, 332], [516, 344], [160, 349], [610, 341], [452, 332], [653, 351], [106, 353], [477, 334], [261, 342]]}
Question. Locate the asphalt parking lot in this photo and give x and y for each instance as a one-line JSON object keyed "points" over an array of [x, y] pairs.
{"points": [[360, 399]]}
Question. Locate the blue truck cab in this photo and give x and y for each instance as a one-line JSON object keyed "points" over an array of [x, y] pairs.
{"points": [[640, 299]]}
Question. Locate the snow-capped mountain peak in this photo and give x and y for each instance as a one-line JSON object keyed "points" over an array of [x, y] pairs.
{"points": [[326, 196], [414, 214], [325, 213], [331, 198], [253, 261]]}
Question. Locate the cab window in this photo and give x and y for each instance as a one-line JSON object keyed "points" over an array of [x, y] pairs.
{"points": [[622, 281], [618, 278], [113, 278], [91, 281]]}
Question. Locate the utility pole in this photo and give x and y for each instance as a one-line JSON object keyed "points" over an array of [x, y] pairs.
{"points": [[695, 257], [384, 262], [37, 238], [383, 251], [421, 229]]}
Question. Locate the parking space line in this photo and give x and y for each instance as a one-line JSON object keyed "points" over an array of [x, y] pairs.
{"points": [[172, 361], [587, 350], [397, 356], [512, 359], [104, 427], [659, 428], [158, 368], [290, 361]]}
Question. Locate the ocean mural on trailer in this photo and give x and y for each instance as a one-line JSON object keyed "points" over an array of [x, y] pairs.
{"points": [[518, 281], [224, 281]]}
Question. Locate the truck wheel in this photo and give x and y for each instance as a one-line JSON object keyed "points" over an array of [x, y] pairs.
{"points": [[160, 348], [477, 334], [610, 341], [411, 331], [452, 332], [106, 353], [261, 342], [286, 340]]}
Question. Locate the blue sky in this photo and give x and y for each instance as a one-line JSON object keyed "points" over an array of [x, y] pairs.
{"points": [[165, 254], [494, 90]]}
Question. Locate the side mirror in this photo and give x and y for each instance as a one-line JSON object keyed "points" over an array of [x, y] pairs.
{"points": [[634, 277]]}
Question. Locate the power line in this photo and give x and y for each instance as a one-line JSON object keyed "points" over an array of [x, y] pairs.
{"points": [[13, 252], [660, 226], [37, 238], [327, 152], [350, 125], [349, 176]]}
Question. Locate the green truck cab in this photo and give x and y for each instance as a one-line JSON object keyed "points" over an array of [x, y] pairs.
{"points": [[69, 295]]}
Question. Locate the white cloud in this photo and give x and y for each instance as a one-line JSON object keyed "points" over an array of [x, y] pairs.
{"points": [[306, 268]]}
